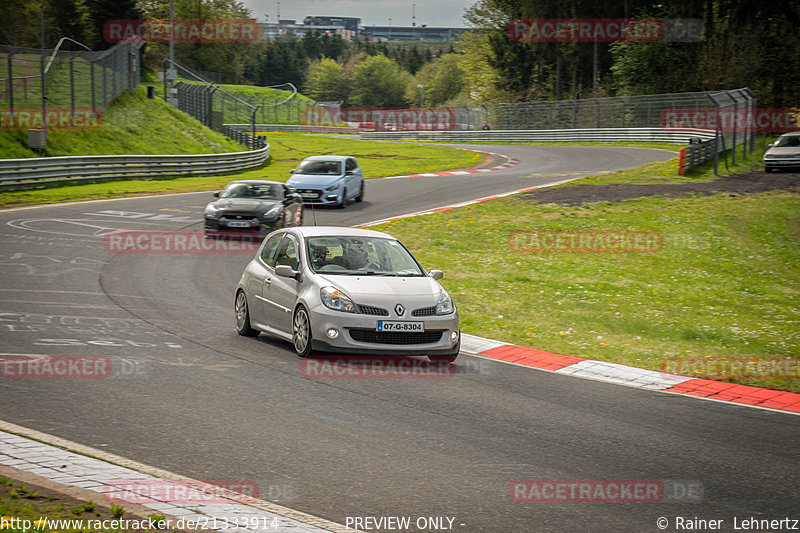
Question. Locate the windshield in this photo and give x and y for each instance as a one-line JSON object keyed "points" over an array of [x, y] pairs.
{"points": [[361, 256], [260, 191], [791, 140], [320, 168]]}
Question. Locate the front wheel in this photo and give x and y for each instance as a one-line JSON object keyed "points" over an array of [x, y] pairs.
{"points": [[343, 201], [301, 337], [360, 197], [243, 316]]}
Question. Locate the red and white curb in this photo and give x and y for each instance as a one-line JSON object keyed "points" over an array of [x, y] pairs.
{"points": [[631, 376], [510, 162]]}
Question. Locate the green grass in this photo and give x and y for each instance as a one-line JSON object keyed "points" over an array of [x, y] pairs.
{"points": [[286, 149], [17, 503], [667, 171], [133, 125], [725, 285]]}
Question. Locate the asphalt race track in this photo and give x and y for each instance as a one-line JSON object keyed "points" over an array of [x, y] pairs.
{"points": [[189, 395]]}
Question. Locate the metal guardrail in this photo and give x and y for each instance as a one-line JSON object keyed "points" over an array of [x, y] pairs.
{"points": [[34, 171], [678, 136], [297, 128], [694, 154]]}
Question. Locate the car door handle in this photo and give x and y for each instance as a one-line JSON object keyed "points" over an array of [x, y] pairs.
{"points": [[267, 281]]}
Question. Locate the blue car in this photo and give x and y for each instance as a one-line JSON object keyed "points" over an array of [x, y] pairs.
{"points": [[328, 180]]}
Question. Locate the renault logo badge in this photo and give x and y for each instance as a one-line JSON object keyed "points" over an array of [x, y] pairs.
{"points": [[399, 309]]}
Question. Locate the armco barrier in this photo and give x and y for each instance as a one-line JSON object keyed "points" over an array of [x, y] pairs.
{"points": [[295, 128], [33, 171], [694, 154], [675, 135]]}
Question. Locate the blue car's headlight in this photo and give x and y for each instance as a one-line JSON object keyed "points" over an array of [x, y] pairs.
{"points": [[334, 186]]}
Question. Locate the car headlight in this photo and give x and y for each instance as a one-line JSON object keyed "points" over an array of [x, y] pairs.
{"points": [[769, 156], [273, 212], [333, 187], [211, 211], [333, 298], [445, 305]]}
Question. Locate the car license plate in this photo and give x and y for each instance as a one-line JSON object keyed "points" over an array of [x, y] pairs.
{"points": [[386, 325], [309, 195], [239, 224]]}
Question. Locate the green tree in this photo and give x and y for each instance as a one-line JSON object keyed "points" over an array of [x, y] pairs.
{"points": [[326, 81], [378, 82], [442, 79]]}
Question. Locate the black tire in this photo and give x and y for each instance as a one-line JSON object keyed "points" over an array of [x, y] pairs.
{"points": [[343, 203], [243, 316], [301, 332], [360, 197]]}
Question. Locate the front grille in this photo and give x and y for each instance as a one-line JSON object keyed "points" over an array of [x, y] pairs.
{"points": [[369, 310], [238, 216], [315, 192], [396, 337], [424, 311]]}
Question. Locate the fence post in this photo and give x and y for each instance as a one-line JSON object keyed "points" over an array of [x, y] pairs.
{"points": [[72, 85], [733, 146], [10, 91]]}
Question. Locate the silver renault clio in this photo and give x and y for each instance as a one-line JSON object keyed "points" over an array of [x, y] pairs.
{"points": [[346, 290]]}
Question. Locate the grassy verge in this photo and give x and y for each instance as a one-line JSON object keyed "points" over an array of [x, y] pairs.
{"points": [[724, 286], [133, 125], [41, 508], [286, 149], [667, 171]]}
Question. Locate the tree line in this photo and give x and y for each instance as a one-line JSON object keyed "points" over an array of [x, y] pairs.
{"points": [[744, 43]]}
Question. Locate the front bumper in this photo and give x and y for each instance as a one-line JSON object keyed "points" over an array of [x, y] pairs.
{"points": [[781, 163], [357, 334], [319, 196], [219, 225]]}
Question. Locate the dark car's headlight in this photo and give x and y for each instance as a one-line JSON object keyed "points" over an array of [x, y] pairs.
{"points": [[211, 211], [333, 298], [273, 213], [445, 305]]}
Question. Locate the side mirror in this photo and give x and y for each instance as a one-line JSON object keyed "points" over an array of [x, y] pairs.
{"points": [[216, 194], [770, 145], [292, 171], [348, 173], [436, 274], [285, 271]]}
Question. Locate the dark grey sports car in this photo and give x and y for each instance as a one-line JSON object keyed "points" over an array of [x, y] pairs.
{"points": [[253, 205]]}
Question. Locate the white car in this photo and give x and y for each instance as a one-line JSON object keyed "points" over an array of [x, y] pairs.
{"points": [[783, 153], [346, 290]]}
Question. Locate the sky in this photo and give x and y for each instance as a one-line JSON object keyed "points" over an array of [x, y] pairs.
{"points": [[447, 13]]}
